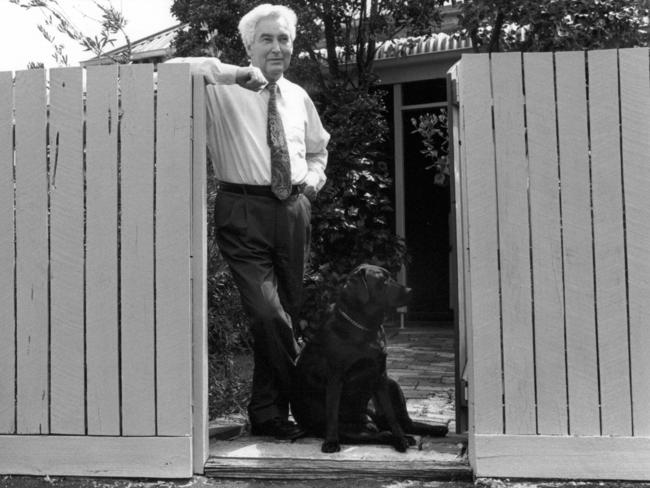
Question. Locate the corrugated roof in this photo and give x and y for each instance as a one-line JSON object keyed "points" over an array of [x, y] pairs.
{"points": [[410, 46], [161, 41]]}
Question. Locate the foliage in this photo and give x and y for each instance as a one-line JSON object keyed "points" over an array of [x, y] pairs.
{"points": [[533, 25], [212, 28], [228, 333], [55, 18], [435, 139], [353, 32], [341, 36], [352, 218]]}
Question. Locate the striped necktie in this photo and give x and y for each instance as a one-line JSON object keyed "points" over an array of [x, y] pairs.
{"points": [[280, 163]]}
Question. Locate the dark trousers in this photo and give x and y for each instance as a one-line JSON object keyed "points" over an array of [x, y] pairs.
{"points": [[266, 242]]}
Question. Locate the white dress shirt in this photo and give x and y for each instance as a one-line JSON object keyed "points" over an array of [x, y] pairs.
{"points": [[236, 131]]}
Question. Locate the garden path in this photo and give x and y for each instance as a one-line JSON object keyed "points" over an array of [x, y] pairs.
{"points": [[421, 359]]}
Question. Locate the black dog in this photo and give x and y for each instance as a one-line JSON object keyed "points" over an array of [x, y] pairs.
{"points": [[343, 367]]}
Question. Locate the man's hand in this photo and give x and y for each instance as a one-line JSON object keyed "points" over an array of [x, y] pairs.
{"points": [[311, 187], [251, 78], [209, 69], [310, 192]]}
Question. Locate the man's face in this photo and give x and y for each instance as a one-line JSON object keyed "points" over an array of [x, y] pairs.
{"points": [[271, 48]]}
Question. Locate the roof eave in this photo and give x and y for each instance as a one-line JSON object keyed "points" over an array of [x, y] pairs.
{"points": [[155, 53], [415, 67]]}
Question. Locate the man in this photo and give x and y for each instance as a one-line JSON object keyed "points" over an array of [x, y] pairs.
{"points": [[263, 227]]}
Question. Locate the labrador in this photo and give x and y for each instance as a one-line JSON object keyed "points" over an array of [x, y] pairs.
{"points": [[340, 389]]}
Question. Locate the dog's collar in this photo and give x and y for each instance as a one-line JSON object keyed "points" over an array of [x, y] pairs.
{"points": [[352, 321]]}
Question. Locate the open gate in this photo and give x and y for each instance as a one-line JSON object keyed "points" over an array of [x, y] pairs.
{"points": [[102, 258], [552, 167]]}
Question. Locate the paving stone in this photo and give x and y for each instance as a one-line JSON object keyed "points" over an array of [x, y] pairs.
{"points": [[429, 382], [432, 389], [405, 381], [417, 394], [398, 364]]}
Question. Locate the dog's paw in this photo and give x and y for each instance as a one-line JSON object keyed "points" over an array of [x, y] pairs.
{"points": [[401, 444], [330, 446], [412, 441]]}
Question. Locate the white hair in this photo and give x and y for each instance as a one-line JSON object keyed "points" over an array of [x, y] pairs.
{"points": [[249, 21]]}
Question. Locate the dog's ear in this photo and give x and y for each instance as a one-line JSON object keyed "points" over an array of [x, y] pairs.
{"points": [[355, 288]]}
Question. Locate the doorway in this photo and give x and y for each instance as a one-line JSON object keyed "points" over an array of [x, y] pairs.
{"points": [[426, 218], [422, 204]]}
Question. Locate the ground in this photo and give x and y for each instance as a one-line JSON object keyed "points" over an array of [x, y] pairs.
{"points": [[201, 482]]}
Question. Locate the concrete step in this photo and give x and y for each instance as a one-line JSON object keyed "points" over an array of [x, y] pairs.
{"points": [[249, 457]]}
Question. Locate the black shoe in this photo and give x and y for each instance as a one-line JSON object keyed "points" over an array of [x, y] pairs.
{"points": [[278, 428]]}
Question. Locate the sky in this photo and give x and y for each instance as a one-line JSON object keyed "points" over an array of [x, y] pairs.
{"points": [[21, 42]]}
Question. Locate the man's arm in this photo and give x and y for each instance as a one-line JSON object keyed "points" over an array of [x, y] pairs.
{"points": [[215, 72], [315, 179], [316, 139]]}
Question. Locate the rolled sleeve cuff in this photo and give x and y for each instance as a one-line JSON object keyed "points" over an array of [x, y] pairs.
{"points": [[315, 177], [211, 69]]}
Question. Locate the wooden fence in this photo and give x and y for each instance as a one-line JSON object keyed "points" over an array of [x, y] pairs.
{"points": [[96, 290], [552, 162]]}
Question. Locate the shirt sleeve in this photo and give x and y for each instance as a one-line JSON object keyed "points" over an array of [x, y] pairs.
{"points": [[212, 69], [316, 139]]}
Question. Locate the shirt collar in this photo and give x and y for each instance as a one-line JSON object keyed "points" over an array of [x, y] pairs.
{"points": [[281, 82]]}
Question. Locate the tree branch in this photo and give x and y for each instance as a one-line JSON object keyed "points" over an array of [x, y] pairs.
{"points": [[494, 45], [330, 43]]}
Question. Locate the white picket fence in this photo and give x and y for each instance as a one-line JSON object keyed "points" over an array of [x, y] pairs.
{"points": [[97, 295]]}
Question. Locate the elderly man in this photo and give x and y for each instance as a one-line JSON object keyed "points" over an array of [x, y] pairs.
{"points": [[268, 147]]}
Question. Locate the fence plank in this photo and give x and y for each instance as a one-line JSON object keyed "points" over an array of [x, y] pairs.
{"points": [[459, 268], [577, 237], [7, 249], [546, 243], [635, 124], [32, 254], [103, 395], [568, 457], [514, 244], [485, 344], [609, 246], [92, 457], [173, 202], [137, 274], [200, 417], [66, 252]]}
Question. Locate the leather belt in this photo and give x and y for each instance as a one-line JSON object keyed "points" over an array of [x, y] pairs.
{"points": [[255, 190]]}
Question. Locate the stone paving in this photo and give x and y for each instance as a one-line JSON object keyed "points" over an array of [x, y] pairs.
{"points": [[421, 360]]}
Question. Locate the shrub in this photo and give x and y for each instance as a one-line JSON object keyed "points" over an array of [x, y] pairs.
{"points": [[353, 215], [228, 334]]}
